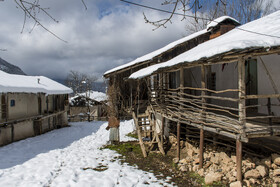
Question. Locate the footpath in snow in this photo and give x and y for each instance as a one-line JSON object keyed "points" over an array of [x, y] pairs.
{"points": [[67, 156]]}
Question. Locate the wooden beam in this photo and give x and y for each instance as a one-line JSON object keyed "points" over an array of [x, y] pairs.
{"points": [[242, 115], [162, 128], [262, 96], [201, 151], [203, 101], [178, 140], [239, 160], [181, 78], [241, 94], [269, 113]]}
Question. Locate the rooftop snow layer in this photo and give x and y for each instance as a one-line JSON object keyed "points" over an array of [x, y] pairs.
{"points": [[95, 95], [237, 38], [30, 84], [157, 52], [215, 22]]}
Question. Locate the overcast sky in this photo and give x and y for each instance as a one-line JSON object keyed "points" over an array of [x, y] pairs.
{"points": [[108, 34]]}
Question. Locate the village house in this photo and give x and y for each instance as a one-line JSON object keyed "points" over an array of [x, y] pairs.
{"points": [[30, 106], [91, 105], [224, 80]]}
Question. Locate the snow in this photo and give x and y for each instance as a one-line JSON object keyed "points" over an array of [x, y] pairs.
{"points": [[157, 52], [215, 22], [59, 158], [236, 39], [95, 95], [30, 84]]}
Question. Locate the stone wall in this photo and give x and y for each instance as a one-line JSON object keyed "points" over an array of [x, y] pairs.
{"points": [[220, 165]]}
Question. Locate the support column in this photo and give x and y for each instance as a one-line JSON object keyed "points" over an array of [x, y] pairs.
{"points": [[239, 160], [178, 140], [269, 113], [182, 79], [203, 115], [181, 94], [242, 115], [242, 92], [181, 108], [162, 129], [201, 145]]}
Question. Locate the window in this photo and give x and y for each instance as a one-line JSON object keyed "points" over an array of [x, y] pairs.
{"points": [[13, 103]]}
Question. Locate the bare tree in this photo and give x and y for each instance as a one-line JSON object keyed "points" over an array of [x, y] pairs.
{"points": [[80, 82], [202, 11], [32, 9]]}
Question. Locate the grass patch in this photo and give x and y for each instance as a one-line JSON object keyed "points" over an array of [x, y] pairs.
{"points": [[161, 165], [197, 177], [124, 148], [132, 135]]}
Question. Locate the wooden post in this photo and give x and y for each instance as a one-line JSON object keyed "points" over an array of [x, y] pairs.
{"points": [[203, 86], [131, 95], [181, 85], [241, 94], [181, 93], [203, 116], [201, 148], [178, 140], [239, 160], [209, 81], [242, 115], [269, 113], [162, 129], [181, 108], [182, 78], [161, 94]]}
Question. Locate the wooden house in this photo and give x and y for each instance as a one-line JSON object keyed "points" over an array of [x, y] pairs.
{"points": [[30, 105], [127, 89], [228, 84], [88, 106]]}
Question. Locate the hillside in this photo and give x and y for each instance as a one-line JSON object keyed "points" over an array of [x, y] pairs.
{"points": [[10, 68]]}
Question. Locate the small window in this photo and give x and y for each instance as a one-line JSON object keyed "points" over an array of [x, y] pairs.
{"points": [[13, 103]]}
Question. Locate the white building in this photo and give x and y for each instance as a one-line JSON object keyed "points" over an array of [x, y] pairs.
{"points": [[30, 105]]}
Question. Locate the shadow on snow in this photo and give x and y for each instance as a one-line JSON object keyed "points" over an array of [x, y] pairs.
{"points": [[24, 150]]}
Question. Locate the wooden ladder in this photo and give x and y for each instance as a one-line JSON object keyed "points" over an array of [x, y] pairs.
{"points": [[146, 128]]}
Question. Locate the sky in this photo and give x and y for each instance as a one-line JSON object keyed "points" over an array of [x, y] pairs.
{"points": [[108, 34]]}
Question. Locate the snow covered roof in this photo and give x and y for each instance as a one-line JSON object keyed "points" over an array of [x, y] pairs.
{"points": [[95, 95], [153, 54], [240, 38], [219, 20], [30, 84]]}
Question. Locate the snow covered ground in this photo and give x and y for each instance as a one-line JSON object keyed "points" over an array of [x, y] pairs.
{"points": [[59, 158]]}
